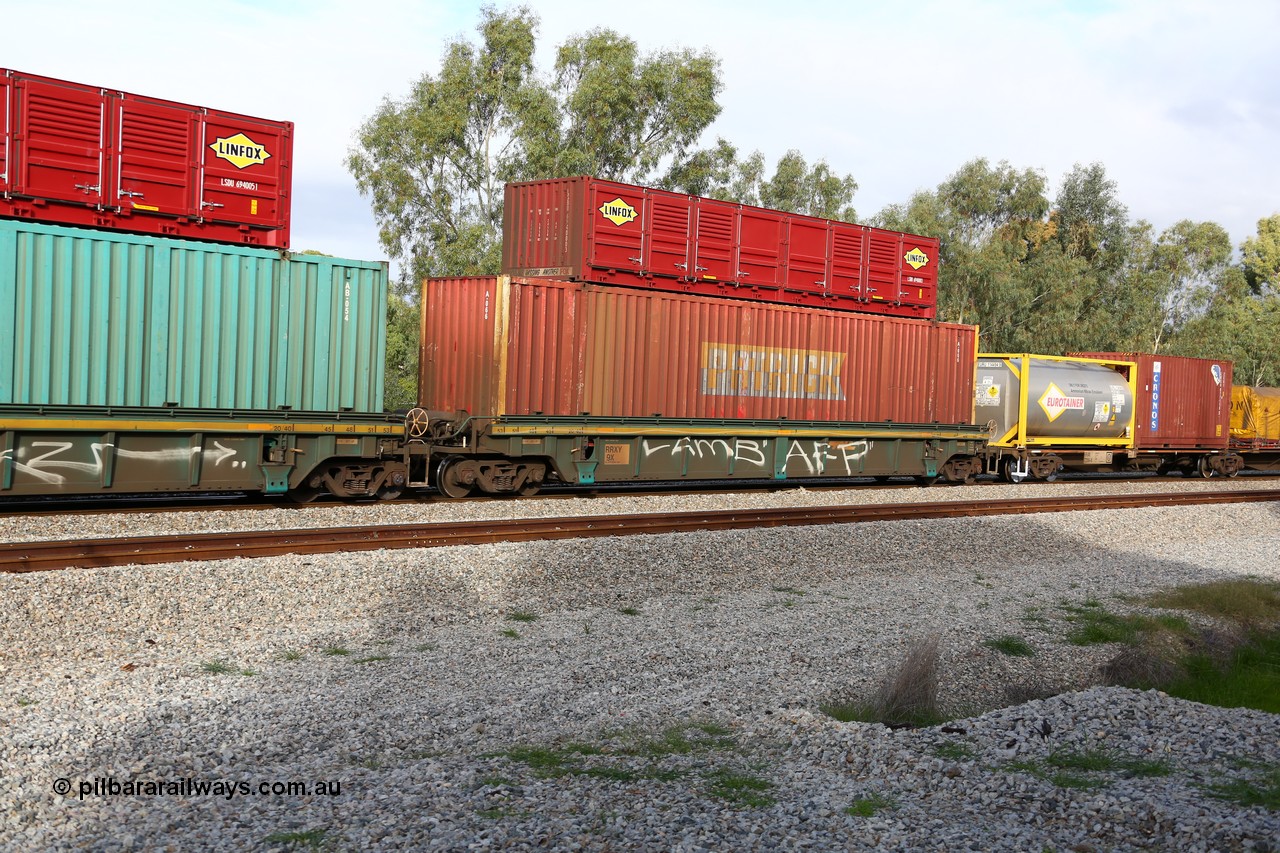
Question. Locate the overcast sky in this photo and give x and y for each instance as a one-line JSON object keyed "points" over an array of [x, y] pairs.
{"points": [[1179, 100]]}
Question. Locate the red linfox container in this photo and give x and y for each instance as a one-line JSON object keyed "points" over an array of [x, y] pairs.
{"points": [[1182, 403], [80, 155], [520, 346], [586, 229]]}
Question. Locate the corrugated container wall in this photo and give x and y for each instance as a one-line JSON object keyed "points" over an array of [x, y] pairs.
{"points": [[100, 318], [83, 155], [1182, 403], [511, 346], [584, 229]]}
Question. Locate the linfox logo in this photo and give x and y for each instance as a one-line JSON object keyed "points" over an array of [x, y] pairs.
{"points": [[1054, 402], [239, 150], [618, 211], [916, 258]]}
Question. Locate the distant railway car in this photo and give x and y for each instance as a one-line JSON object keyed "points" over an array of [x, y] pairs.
{"points": [[590, 230], [83, 155], [1105, 412], [101, 318], [584, 384], [1255, 426]]}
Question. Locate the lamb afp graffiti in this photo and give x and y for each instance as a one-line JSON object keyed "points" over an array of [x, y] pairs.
{"points": [[816, 455]]}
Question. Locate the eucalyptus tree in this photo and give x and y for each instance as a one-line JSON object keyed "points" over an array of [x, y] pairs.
{"points": [[434, 162]]}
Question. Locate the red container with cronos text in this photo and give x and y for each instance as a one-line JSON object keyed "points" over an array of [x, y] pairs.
{"points": [[1183, 403], [584, 229], [74, 154]]}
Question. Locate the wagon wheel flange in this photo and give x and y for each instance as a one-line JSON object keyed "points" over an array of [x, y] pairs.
{"points": [[453, 479]]}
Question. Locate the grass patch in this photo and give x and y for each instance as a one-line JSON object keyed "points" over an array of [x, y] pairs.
{"points": [[337, 651], [788, 590], [1247, 601], [218, 667], [1088, 770], [311, 838], [955, 751], [1102, 761], [291, 654], [1011, 645], [868, 806], [522, 616], [629, 611], [630, 756], [739, 788], [1249, 678], [510, 633], [1094, 626], [372, 659], [1264, 791], [24, 702], [426, 647]]}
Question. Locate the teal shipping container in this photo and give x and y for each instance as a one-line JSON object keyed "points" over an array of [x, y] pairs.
{"points": [[99, 318]]}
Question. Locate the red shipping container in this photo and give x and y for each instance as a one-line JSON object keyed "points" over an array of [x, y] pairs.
{"points": [[80, 155], [610, 233], [519, 346], [1182, 403]]}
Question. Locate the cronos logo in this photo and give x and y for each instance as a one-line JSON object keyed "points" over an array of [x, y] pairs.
{"points": [[239, 150]]}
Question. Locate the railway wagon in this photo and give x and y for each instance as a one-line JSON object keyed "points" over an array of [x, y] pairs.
{"points": [[133, 363], [590, 230], [83, 155], [525, 381]]}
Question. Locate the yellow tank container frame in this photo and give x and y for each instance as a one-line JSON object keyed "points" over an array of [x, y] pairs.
{"points": [[1255, 413], [1047, 415]]}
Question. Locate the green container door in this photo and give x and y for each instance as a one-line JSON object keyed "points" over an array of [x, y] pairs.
{"points": [[95, 318]]}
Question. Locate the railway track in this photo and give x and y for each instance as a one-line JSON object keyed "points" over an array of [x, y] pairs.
{"points": [[100, 553]]}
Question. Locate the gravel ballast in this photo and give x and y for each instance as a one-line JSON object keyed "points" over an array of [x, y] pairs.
{"points": [[652, 692]]}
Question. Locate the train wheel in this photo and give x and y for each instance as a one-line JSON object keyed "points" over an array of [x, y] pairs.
{"points": [[529, 489], [451, 478], [1205, 467], [390, 493], [1012, 472]]}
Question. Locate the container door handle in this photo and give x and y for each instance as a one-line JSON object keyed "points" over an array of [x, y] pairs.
{"points": [[89, 188], [211, 204], [681, 266], [634, 260], [129, 194], [697, 268]]}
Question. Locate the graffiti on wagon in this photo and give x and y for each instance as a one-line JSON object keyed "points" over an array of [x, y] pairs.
{"points": [[44, 460], [816, 455]]}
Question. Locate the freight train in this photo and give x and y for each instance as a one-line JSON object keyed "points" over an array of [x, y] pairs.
{"points": [[634, 335]]}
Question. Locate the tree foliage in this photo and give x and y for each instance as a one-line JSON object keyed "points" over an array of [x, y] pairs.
{"points": [[434, 163]]}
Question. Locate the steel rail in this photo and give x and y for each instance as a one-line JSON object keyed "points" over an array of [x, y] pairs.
{"points": [[141, 550]]}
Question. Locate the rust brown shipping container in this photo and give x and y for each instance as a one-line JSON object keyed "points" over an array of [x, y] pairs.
{"points": [[514, 346], [1182, 403]]}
